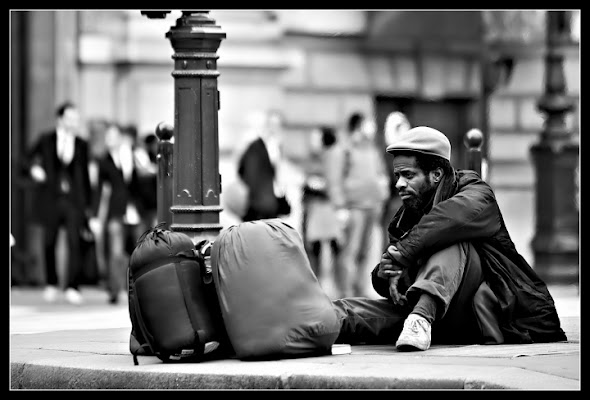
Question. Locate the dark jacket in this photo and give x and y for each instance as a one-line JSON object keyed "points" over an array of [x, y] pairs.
{"points": [[257, 172], [44, 153], [122, 192], [465, 210]]}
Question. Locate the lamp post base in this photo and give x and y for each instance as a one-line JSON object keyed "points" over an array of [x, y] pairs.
{"points": [[556, 268]]}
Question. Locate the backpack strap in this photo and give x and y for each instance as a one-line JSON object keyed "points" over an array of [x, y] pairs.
{"points": [[136, 352], [202, 254], [142, 328]]}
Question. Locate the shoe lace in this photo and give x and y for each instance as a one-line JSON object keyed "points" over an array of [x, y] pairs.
{"points": [[415, 324]]}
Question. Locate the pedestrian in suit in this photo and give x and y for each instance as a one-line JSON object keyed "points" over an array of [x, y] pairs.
{"points": [[59, 164], [114, 205], [258, 169]]}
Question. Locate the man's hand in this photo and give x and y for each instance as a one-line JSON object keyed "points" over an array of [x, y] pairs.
{"points": [[397, 298], [397, 257], [95, 225], [38, 173], [390, 270], [387, 267]]}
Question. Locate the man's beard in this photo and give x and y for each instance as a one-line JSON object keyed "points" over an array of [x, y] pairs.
{"points": [[422, 198]]}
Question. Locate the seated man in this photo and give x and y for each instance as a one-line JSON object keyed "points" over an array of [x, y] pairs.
{"points": [[451, 273]]}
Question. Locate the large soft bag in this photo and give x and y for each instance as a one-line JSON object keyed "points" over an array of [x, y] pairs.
{"points": [[173, 304], [271, 302]]}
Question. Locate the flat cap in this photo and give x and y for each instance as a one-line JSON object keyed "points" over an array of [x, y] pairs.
{"points": [[422, 139]]}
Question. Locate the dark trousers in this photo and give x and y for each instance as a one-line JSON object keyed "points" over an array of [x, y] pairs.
{"points": [[314, 253], [452, 276], [65, 214]]}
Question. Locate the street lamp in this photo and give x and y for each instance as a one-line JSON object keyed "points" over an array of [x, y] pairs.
{"points": [[556, 157], [195, 204]]}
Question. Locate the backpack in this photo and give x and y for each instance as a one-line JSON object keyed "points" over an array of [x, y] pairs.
{"points": [[271, 301], [173, 304]]}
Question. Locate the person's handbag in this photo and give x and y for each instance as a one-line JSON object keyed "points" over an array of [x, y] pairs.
{"points": [[234, 197]]}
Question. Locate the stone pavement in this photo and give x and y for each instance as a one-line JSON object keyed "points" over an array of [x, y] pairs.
{"points": [[61, 346]]}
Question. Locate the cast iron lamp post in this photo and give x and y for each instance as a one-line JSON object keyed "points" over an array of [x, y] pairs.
{"points": [[556, 240], [195, 204]]}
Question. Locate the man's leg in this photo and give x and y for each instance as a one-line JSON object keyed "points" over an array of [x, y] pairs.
{"points": [[345, 267], [368, 321], [117, 272], [50, 232], [367, 225], [74, 222], [435, 285]]}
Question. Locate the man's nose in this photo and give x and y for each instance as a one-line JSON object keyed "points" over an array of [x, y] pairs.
{"points": [[401, 183]]}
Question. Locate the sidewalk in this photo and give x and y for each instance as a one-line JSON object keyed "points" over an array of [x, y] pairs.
{"points": [[66, 347]]}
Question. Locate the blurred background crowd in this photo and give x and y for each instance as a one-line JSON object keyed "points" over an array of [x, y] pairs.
{"points": [[309, 84]]}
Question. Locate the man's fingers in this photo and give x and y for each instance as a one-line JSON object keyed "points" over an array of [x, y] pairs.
{"points": [[394, 294], [388, 273], [393, 288], [392, 251]]}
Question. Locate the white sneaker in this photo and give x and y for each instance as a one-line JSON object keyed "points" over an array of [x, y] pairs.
{"points": [[415, 335], [73, 296], [50, 294]]}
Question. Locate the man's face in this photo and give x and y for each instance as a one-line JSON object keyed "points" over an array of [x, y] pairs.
{"points": [[70, 120], [113, 137], [274, 125], [413, 185]]}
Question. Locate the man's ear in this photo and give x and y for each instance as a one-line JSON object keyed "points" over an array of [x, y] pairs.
{"points": [[436, 175]]}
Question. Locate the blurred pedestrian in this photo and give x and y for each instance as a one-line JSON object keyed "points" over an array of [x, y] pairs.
{"points": [[258, 168], [97, 130], [146, 161], [395, 123], [115, 203], [59, 164], [357, 183], [320, 223]]}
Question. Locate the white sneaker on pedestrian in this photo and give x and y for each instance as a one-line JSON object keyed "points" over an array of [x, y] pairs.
{"points": [[415, 335], [73, 296], [50, 294]]}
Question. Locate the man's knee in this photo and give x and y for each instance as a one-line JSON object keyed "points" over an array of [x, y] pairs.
{"points": [[452, 272]]}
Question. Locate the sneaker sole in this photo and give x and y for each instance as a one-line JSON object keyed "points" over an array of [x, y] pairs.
{"points": [[411, 346]]}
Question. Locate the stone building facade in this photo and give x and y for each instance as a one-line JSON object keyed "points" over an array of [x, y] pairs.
{"points": [[317, 66]]}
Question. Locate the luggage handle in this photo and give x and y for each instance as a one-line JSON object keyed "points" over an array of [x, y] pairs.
{"points": [[201, 253]]}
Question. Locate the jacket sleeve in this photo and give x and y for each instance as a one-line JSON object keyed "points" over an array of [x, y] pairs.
{"points": [[86, 186], [472, 213]]}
